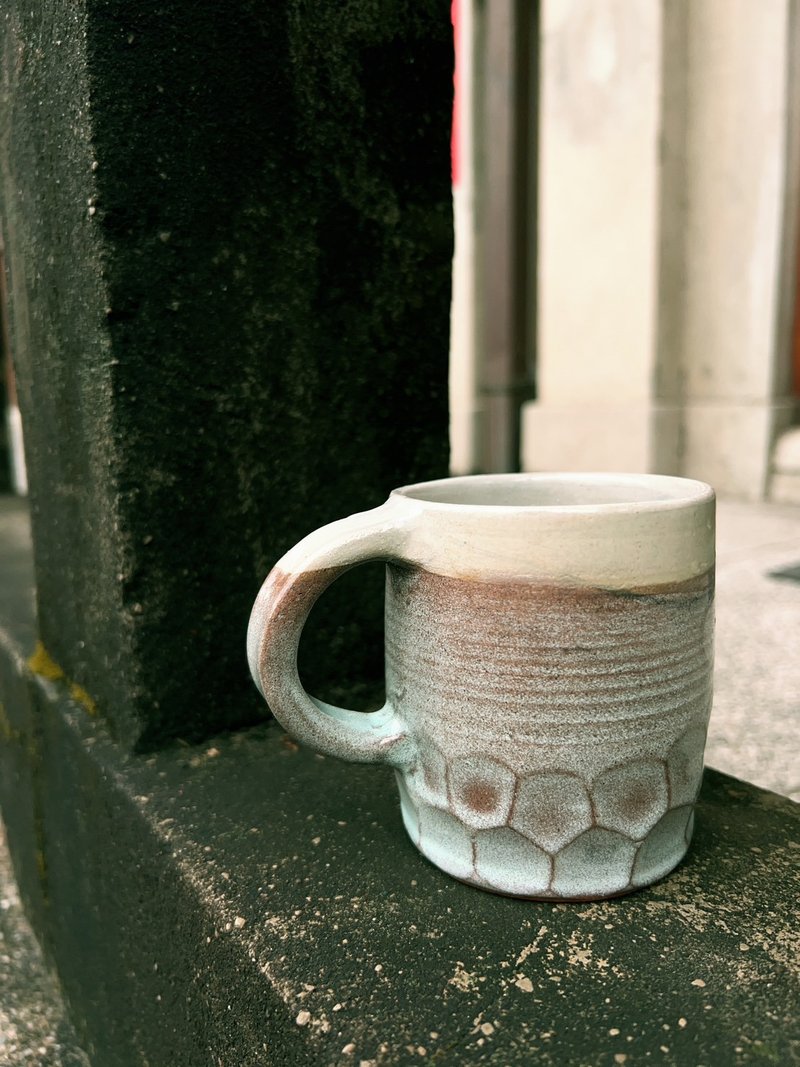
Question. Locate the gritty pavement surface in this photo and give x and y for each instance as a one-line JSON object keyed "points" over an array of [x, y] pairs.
{"points": [[755, 724], [34, 1029]]}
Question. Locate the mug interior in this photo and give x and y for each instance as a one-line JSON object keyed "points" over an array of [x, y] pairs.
{"points": [[559, 490]]}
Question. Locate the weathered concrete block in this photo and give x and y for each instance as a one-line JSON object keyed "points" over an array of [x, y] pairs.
{"points": [[228, 233]]}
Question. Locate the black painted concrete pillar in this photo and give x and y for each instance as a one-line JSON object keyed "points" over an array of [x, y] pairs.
{"points": [[228, 239]]}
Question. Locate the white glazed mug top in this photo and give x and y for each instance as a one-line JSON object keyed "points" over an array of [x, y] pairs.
{"points": [[614, 530], [566, 491]]}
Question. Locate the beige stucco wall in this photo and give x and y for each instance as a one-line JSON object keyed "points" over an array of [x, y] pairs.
{"points": [[667, 234], [742, 197], [599, 180]]}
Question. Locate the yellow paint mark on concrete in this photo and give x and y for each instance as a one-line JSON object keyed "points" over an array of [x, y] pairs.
{"points": [[7, 731], [80, 696], [43, 664]]}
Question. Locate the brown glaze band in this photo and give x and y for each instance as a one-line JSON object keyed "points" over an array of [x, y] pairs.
{"points": [[528, 652]]}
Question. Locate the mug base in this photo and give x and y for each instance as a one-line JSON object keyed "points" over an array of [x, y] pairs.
{"points": [[597, 865], [545, 897], [542, 898]]}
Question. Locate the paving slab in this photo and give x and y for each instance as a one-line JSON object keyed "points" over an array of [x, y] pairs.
{"points": [[755, 725]]}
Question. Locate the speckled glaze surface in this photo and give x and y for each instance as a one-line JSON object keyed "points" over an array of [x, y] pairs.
{"points": [[549, 647]]}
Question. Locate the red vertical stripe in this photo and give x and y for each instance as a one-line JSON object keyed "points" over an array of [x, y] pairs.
{"points": [[455, 131]]}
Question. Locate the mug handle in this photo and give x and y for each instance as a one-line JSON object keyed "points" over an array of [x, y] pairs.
{"points": [[276, 623]]}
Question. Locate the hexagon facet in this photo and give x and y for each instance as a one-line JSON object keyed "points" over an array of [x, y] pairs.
{"points": [[408, 809], [597, 863], [510, 863], [631, 797], [431, 777], [445, 840], [551, 809], [481, 790], [685, 766], [664, 846], [688, 833]]}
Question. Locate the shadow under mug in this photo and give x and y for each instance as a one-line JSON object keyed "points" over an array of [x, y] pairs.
{"points": [[549, 653]]}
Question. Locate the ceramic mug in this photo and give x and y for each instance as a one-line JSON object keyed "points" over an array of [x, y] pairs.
{"points": [[549, 649]]}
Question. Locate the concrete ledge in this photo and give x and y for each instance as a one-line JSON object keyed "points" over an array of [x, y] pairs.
{"points": [[726, 442], [784, 488], [34, 1027], [784, 485], [248, 902]]}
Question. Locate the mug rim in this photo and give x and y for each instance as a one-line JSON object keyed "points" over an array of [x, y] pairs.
{"points": [[669, 492]]}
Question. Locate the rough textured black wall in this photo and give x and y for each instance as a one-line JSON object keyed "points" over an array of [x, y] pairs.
{"points": [[56, 291], [228, 227]]}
